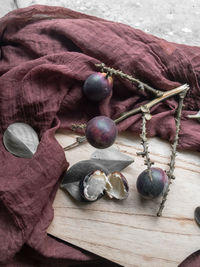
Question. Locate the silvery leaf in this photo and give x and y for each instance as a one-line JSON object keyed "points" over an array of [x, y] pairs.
{"points": [[112, 159], [21, 140]]}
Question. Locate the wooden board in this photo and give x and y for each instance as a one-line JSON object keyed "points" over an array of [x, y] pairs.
{"points": [[129, 232]]}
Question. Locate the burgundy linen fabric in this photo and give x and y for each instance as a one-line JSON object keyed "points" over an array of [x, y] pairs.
{"points": [[46, 53]]}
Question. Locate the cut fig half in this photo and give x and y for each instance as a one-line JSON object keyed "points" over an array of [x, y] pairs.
{"points": [[92, 187], [117, 186]]}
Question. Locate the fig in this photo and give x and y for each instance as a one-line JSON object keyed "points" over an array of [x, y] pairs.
{"points": [[152, 187], [93, 185], [101, 132], [96, 183], [74, 176], [117, 186], [97, 86]]}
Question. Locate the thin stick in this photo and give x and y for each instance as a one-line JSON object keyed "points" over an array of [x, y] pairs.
{"points": [[194, 116], [79, 140], [145, 153], [142, 86], [170, 173], [152, 103]]}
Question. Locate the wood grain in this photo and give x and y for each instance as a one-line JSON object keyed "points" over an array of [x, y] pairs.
{"points": [[129, 232]]}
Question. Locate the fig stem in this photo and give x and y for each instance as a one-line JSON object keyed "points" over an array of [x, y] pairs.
{"points": [[152, 103], [146, 116], [170, 173], [107, 75], [79, 141], [142, 86], [74, 126]]}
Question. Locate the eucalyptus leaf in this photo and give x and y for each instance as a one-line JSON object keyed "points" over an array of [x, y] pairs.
{"points": [[112, 159], [21, 140]]}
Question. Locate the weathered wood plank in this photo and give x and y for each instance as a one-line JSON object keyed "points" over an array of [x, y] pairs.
{"points": [[128, 232]]}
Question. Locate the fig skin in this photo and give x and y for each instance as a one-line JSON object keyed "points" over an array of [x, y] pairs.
{"points": [[97, 87], [101, 132], [112, 186], [152, 189]]}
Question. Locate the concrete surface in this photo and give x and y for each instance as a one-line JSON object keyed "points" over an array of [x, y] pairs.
{"points": [[174, 20]]}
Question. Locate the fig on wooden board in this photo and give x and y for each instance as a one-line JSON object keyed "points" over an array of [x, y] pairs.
{"points": [[101, 132], [152, 187]]}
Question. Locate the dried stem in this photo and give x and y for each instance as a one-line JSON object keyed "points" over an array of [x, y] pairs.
{"points": [[79, 141], [78, 126], [170, 173], [152, 103], [145, 153], [142, 86], [194, 116]]}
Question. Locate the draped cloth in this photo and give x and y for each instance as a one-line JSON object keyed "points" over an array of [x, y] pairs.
{"points": [[46, 53]]}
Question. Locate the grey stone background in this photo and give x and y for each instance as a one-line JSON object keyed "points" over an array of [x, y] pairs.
{"points": [[174, 20]]}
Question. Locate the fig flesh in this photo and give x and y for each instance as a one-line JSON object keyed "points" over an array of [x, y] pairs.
{"points": [[117, 186], [93, 185]]}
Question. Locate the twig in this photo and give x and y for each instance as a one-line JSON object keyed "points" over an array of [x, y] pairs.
{"points": [[145, 153], [194, 116], [142, 86], [170, 173], [152, 103], [74, 126], [79, 141]]}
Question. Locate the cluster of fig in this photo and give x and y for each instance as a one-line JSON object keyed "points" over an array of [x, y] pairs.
{"points": [[101, 132]]}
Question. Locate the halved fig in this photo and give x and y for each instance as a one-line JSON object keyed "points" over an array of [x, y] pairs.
{"points": [[117, 186], [92, 187]]}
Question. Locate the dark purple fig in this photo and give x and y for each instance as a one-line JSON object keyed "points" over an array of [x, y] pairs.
{"points": [[152, 186], [92, 187], [101, 132], [98, 86], [117, 186]]}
